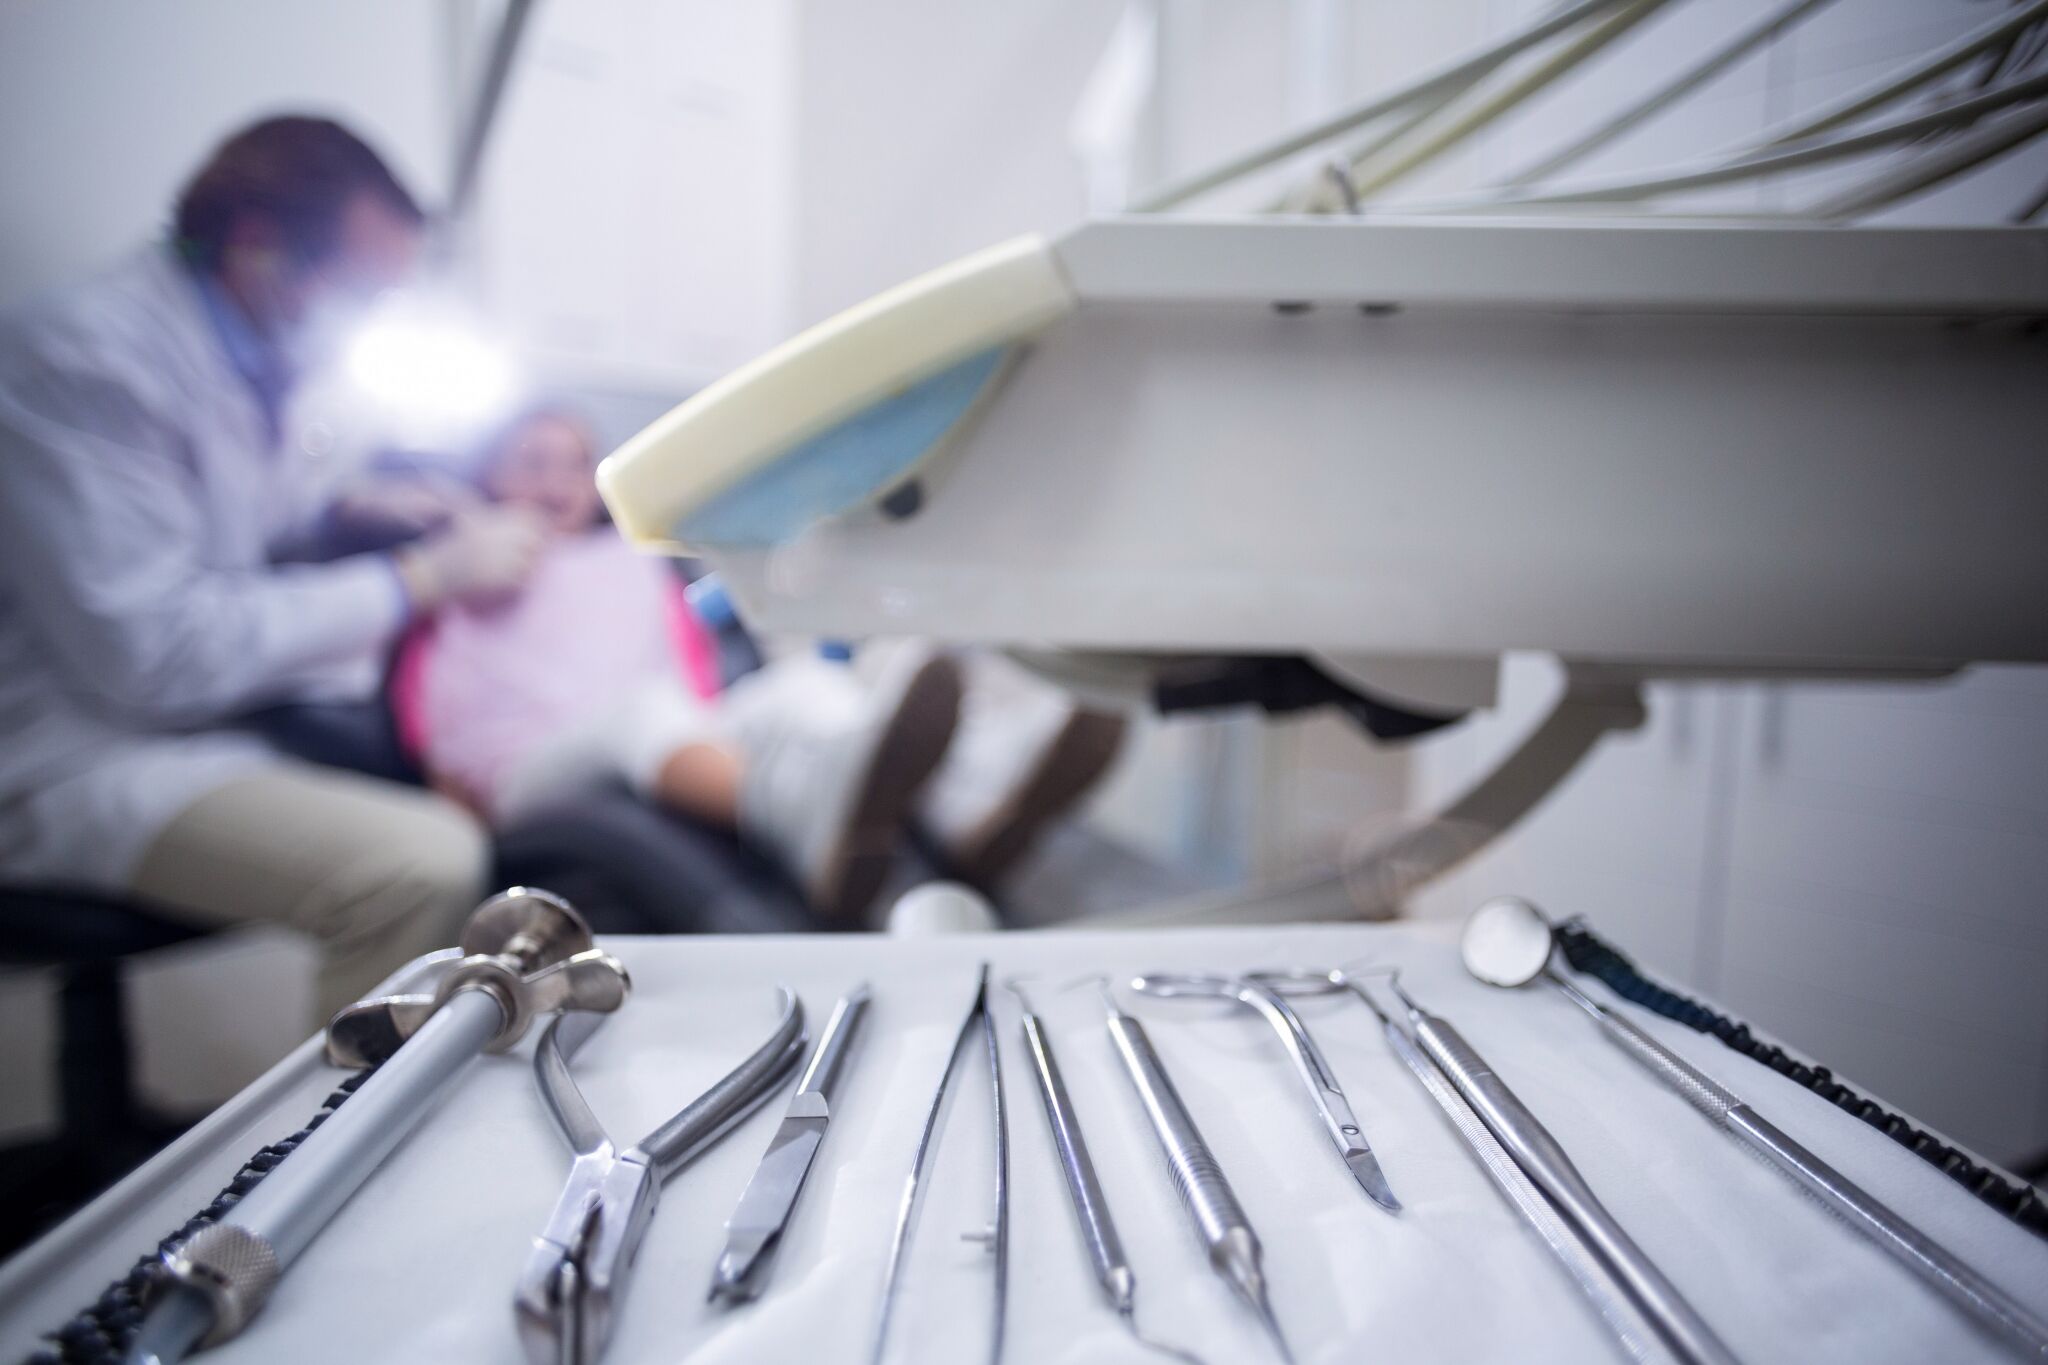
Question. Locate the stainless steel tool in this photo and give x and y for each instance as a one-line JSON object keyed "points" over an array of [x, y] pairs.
{"points": [[754, 1231], [1346, 1133], [1630, 1334], [996, 1236], [1507, 942], [1226, 1234], [577, 1273], [1091, 1207], [523, 953], [1543, 1158]]}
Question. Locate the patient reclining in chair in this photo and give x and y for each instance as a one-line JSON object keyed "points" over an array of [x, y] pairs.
{"points": [[599, 673]]}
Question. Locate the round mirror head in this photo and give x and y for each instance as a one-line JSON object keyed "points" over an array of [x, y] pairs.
{"points": [[1506, 942]]}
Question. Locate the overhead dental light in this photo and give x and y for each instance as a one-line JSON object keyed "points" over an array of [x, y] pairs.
{"points": [[432, 373]]}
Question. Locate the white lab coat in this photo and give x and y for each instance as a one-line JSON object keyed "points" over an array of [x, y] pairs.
{"points": [[142, 500]]}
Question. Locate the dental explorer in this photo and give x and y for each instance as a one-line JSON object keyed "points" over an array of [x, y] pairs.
{"points": [[1508, 942], [1220, 1222], [1631, 1335], [1545, 1161], [1098, 1231], [1317, 1076], [997, 1235]]}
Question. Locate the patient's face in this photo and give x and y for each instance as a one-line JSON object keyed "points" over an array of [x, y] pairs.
{"points": [[547, 464]]}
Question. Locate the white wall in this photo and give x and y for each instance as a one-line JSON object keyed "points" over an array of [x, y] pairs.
{"points": [[106, 106]]}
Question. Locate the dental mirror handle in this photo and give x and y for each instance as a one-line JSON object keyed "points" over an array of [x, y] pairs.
{"points": [[1863, 1211], [1546, 1162]]}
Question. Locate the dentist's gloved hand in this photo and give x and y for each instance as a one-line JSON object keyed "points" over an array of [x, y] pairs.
{"points": [[484, 556], [402, 505]]}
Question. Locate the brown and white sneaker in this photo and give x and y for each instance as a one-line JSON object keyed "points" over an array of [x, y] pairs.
{"points": [[834, 763], [1024, 754]]}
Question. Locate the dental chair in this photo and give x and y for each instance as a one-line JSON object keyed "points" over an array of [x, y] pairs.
{"points": [[103, 1128]]}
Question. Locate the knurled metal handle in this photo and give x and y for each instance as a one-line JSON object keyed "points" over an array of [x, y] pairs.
{"points": [[1699, 1090], [232, 1267], [1197, 1179]]}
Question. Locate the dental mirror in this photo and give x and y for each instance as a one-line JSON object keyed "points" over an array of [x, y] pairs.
{"points": [[1506, 942]]}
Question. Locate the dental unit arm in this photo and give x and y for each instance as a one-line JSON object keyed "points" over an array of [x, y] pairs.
{"points": [[1390, 451]]}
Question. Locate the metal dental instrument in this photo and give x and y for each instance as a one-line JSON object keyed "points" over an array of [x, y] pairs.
{"points": [[1507, 942], [1220, 1222], [1631, 1335], [754, 1231], [997, 1235], [524, 953], [1545, 1161], [1309, 1063], [576, 1275], [1098, 1231]]}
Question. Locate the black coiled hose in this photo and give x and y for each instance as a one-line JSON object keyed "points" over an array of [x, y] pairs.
{"points": [[102, 1333]]}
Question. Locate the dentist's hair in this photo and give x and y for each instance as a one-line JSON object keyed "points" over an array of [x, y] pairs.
{"points": [[299, 173]]}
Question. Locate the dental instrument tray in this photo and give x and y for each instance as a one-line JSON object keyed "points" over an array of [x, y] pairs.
{"points": [[420, 1264]]}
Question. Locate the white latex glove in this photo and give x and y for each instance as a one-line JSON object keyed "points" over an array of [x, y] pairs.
{"points": [[483, 556], [403, 504]]}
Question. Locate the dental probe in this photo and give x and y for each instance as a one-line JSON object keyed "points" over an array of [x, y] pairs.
{"points": [[1507, 942], [1220, 1222], [1098, 1231], [1544, 1159], [1324, 1092]]}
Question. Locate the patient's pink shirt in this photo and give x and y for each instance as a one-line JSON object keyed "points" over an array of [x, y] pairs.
{"points": [[475, 690]]}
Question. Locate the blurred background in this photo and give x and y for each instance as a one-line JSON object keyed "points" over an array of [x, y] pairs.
{"points": [[675, 185]]}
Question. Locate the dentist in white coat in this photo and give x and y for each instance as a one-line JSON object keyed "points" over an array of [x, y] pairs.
{"points": [[154, 580]]}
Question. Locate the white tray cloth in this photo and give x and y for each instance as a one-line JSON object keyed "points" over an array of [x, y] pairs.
{"points": [[419, 1266]]}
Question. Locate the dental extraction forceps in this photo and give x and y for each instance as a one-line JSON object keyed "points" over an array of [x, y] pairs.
{"points": [[997, 1236], [1220, 1222], [1543, 1158], [578, 1270], [1098, 1231], [1309, 1063]]}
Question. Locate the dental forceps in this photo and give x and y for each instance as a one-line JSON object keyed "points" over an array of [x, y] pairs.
{"points": [[1098, 1230], [577, 1272], [1339, 1121], [997, 1235]]}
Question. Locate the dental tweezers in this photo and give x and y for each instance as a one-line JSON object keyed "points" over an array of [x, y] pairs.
{"points": [[997, 1236]]}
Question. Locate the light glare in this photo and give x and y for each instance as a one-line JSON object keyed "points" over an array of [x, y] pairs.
{"points": [[434, 375]]}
